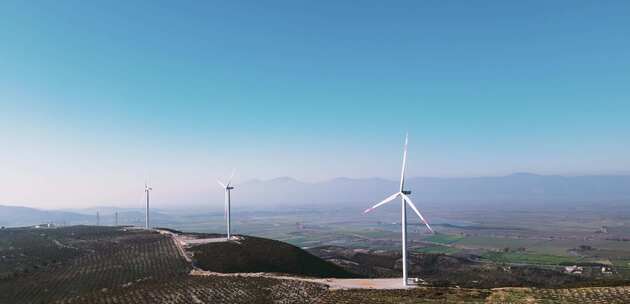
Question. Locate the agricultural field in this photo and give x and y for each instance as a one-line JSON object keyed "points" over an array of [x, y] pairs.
{"points": [[104, 259], [443, 238], [529, 258], [437, 249], [554, 231], [26, 250], [502, 238], [210, 290]]}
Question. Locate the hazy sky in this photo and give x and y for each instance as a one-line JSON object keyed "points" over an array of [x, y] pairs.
{"points": [[97, 96]]}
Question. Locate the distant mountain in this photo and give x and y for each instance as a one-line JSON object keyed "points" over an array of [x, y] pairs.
{"points": [[108, 210], [11, 216], [519, 189], [525, 187], [514, 188]]}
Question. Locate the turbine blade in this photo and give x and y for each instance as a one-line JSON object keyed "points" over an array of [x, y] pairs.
{"points": [[404, 164], [408, 200], [222, 184], [385, 201], [229, 181]]}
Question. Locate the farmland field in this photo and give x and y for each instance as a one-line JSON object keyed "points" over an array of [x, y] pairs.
{"points": [[550, 239], [529, 258], [443, 238], [104, 258], [438, 249]]}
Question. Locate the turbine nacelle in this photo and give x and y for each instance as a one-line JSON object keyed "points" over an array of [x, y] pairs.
{"points": [[224, 186], [227, 186], [147, 190]]}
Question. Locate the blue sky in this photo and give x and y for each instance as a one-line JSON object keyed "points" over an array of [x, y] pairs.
{"points": [[96, 97]]}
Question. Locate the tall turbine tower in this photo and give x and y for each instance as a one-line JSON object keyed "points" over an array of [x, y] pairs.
{"points": [[147, 189], [404, 201], [227, 207]]}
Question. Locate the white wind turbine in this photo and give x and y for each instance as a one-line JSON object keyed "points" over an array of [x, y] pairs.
{"points": [[147, 189], [228, 188], [404, 201]]}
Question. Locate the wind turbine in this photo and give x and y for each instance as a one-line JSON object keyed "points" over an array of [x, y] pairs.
{"points": [[147, 189], [228, 188], [405, 200]]}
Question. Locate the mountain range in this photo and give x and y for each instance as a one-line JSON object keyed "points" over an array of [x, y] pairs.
{"points": [[519, 189], [514, 188]]}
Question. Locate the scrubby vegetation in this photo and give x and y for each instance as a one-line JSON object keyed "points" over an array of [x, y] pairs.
{"points": [[103, 258], [415, 296], [210, 290], [117, 265], [604, 295], [26, 250]]}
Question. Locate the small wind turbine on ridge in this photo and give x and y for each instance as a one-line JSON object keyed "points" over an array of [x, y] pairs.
{"points": [[147, 189], [227, 205]]}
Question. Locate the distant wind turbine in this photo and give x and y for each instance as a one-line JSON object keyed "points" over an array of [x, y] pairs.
{"points": [[147, 189], [228, 188], [403, 194]]}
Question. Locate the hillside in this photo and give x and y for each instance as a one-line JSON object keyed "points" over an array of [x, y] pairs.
{"points": [[88, 264], [253, 254]]}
